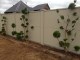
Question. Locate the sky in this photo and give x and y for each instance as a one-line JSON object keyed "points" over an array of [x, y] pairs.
{"points": [[54, 4]]}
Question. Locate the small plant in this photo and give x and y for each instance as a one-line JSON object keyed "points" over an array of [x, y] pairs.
{"points": [[14, 33], [57, 11], [72, 5], [56, 34], [25, 11], [13, 26], [25, 23], [32, 27], [77, 48], [3, 31], [19, 35], [26, 36]]}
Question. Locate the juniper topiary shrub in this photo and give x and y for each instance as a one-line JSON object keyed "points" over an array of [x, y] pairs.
{"points": [[3, 30], [25, 22]]}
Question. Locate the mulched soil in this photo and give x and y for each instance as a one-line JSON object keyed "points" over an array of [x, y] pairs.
{"points": [[11, 49]]}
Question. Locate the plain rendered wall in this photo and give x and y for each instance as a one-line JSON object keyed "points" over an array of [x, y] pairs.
{"points": [[45, 23], [35, 20]]}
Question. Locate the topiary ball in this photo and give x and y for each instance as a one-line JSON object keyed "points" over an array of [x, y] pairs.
{"points": [[56, 34]]}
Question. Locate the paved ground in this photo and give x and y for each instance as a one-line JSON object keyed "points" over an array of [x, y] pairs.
{"points": [[10, 49]]}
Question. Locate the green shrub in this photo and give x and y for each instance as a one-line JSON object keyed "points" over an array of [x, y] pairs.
{"points": [[77, 48], [19, 36], [14, 32], [26, 36], [13, 25], [56, 34], [72, 6]]}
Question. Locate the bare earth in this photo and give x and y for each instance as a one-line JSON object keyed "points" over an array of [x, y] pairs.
{"points": [[10, 49]]}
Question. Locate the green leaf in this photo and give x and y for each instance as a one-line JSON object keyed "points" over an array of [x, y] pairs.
{"points": [[65, 39], [27, 23], [25, 26], [68, 20], [19, 36], [25, 11], [26, 36], [20, 18], [66, 45], [27, 31], [3, 27], [13, 25], [32, 27], [14, 32], [75, 13], [62, 17], [22, 25], [23, 16], [2, 20], [56, 34], [3, 24], [26, 19], [21, 32], [61, 27], [77, 48], [73, 21], [4, 17], [69, 32], [72, 39], [57, 11], [61, 43]]}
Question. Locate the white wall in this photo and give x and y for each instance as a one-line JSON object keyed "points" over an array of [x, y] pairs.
{"points": [[35, 20], [45, 23]]}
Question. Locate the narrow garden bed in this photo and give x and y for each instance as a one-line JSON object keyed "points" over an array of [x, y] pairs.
{"points": [[10, 49]]}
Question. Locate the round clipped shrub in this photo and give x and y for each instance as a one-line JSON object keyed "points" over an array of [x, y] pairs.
{"points": [[61, 43], [32, 27], [56, 34], [18, 36], [77, 48], [71, 6], [26, 36], [13, 25], [14, 32]]}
